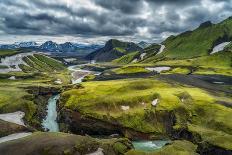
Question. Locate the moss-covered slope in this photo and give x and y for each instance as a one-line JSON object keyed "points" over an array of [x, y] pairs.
{"points": [[63, 144]]}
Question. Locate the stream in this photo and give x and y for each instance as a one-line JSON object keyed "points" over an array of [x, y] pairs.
{"points": [[50, 122], [148, 146]]}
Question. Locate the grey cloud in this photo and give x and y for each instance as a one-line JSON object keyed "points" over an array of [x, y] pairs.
{"points": [[121, 18]]}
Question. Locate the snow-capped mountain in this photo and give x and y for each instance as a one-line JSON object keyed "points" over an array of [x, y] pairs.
{"points": [[28, 44], [19, 45], [50, 46], [53, 47]]}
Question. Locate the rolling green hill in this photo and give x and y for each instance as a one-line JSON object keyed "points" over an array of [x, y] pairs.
{"points": [[196, 43], [42, 63], [200, 41]]}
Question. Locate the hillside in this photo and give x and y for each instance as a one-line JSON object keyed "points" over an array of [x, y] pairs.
{"points": [[199, 42], [113, 49]]}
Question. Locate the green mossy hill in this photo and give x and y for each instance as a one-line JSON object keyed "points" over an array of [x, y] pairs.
{"points": [[113, 49], [198, 42], [126, 58], [63, 144], [42, 63], [149, 51], [218, 63], [130, 70], [191, 107], [177, 147]]}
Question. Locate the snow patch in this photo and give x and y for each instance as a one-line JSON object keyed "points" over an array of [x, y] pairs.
{"points": [[135, 60], [158, 69], [69, 59], [154, 102], [12, 78], [58, 81], [15, 117], [161, 49], [14, 136], [218, 82], [143, 55], [125, 107], [219, 47], [13, 62]]}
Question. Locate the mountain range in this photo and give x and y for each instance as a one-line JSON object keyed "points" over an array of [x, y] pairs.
{"points": [[53, 47]]}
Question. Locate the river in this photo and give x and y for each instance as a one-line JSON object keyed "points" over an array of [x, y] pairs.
{"points": [[50, 122]]}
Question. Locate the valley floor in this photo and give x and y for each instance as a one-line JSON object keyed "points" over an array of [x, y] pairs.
{"points": [[190, 111]]}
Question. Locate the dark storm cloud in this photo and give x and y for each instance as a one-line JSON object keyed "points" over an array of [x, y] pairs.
{"points": [[140, 19]]}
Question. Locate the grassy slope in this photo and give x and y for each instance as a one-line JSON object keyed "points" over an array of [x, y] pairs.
{"points": [[126, 58], [130, 70], [191, 49], [42, 63], [198, 111], [4, 53], [219, 63], [198, 42]]}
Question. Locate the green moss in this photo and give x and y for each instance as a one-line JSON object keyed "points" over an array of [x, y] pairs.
{"points": [[130, 70], [88, 78], [179, 70], [4, 53], [119, 147], [126, 58]]}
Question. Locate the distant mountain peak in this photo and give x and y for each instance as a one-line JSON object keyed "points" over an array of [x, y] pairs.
{"points": [[143, 44], [206, 24]]}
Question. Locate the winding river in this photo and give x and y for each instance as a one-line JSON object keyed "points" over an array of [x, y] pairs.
{"points": [[50, 122]]}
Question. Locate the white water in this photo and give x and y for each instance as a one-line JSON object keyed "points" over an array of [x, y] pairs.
{"points": [[50, 123], [149, 145], [161, 49], [15, 117], [13, 62], [219, 47], [158, 69], [14, 136]]}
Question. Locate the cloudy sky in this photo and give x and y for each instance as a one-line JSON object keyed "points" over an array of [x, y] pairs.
{"points": [[95, 21]]}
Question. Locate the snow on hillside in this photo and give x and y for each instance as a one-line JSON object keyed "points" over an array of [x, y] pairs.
{"points": [[15, 117], [219, 47], [161, 49], [13, 62]]}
